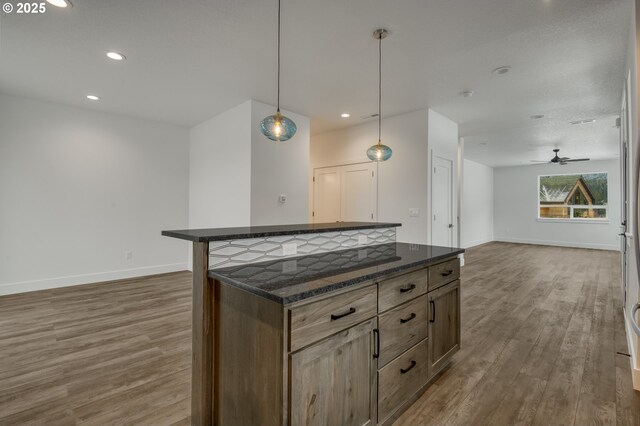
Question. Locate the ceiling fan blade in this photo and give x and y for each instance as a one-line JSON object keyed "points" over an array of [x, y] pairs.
{"points": [[576, 159], [564, 158]]}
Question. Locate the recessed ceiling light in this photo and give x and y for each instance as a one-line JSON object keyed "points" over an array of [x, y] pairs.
{"points": [[116, 56], [345, 115], [467, 93], [93, 98], [60, 3], [536, 116], [501, 70], [589, 120]]}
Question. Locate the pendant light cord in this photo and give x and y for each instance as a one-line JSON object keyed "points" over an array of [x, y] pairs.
{"points": [[379, 88], [278, 103]]}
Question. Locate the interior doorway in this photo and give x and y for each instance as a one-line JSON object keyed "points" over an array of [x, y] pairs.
{"points": [[625, 196], [345, 193], [442, 202]]}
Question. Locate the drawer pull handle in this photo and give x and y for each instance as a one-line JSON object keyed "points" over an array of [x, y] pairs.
{"points": [[446, 274], [405, 320], [406, 370], [433, 311], [376, 337], [408, 289], [337, 317]]}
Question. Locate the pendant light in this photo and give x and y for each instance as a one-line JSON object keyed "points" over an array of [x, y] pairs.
{"points": [[277, 127], [379, 152]]}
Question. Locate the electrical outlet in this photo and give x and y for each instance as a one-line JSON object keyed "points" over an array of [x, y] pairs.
{"points": [[362, 254], [282, 198], [290, 249], [414, 212], [362, 239], [128, 255]]}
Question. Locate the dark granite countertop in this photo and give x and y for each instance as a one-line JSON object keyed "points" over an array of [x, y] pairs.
{"points": [[297, 278], [218, 234]]}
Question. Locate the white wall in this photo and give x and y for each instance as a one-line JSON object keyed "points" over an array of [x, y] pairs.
{"points": [[477, 204], [79, 188], [516, 204], [403, 181], [220, 170], [443, 142], [279, 168]]}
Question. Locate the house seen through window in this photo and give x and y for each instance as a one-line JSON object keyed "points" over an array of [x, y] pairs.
{"points": [[573, 197]]}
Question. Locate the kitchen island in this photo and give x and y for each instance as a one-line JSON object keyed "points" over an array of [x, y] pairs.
{"points": [[331, 324]]}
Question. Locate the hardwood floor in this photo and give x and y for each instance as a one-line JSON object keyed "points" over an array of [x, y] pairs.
{"points": [[541, 328]]}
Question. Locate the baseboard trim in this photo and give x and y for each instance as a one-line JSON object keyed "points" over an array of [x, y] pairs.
{"points": [[635, 371], [72, 280], [560, 244], [479, 242]]}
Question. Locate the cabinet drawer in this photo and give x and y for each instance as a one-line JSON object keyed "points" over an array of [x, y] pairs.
{"points": [[402, 378], [395, 291], [443, 273], [402, 327], [315, 321]]}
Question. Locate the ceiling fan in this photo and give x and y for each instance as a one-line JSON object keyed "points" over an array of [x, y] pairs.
{"points": [[560, 160]]}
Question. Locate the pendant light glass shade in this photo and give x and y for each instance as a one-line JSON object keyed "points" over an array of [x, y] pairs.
{"points": [[278, 128], [379, 152]]}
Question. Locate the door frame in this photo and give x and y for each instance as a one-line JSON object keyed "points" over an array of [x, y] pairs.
{"points": [[434, 156], [354, 163]]}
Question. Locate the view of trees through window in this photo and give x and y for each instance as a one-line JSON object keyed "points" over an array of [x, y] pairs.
{"points": [[580, 197]]}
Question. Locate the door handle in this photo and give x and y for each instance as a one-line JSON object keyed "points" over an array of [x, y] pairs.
{"points": [[451, 225], [433, 311]]}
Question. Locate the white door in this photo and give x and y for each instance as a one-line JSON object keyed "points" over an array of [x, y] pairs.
{"points": [[326, 195], [626, 196], [358, 193], [345, 193], [442, 202]]}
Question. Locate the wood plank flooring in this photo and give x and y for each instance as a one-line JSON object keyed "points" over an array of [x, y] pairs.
{"points": [[541, 328]]}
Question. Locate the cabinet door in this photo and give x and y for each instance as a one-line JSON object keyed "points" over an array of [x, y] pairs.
{"points": [[444, 325], [334, 382]]}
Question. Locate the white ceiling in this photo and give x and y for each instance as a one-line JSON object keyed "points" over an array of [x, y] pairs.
{"points": [[190, 60]]}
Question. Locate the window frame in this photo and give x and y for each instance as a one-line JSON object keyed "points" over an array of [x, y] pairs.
{"points": [[603, 220]]}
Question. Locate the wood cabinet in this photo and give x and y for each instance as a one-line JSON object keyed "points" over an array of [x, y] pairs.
{"points": [[401, 328], [357, 356], [444, 325], [333, 383]]}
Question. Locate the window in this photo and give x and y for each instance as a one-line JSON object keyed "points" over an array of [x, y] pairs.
{"points": [[573, 197]]}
